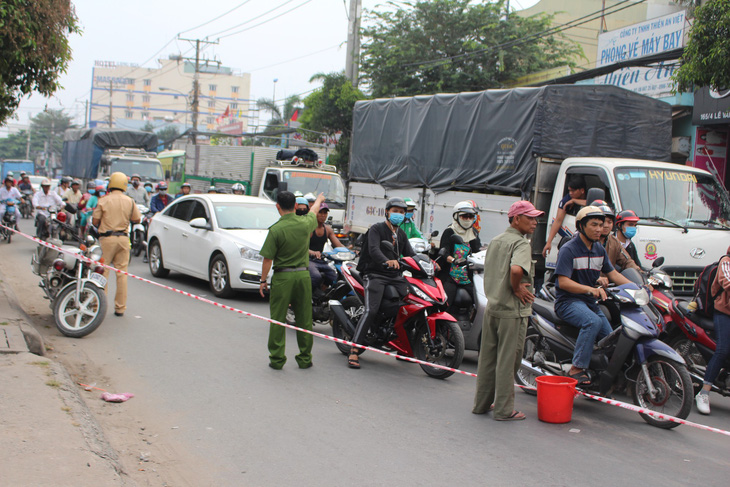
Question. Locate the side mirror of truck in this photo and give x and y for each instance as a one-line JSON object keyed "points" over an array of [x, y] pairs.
{"points": [[201, 224], [167, 174]]}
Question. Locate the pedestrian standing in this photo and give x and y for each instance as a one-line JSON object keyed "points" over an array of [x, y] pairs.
{"points": [[287, 248], [508, 281], [112, 216]]}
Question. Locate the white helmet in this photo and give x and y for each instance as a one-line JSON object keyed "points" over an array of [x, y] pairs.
{"points": [[465, 207]]}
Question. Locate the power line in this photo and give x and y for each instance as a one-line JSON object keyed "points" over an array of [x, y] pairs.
{"points": [[268, 20], [251, 19], [216, 18], [296, 58]]}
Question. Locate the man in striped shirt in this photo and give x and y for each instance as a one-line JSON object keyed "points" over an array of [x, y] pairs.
{"points": [[580, 263]]}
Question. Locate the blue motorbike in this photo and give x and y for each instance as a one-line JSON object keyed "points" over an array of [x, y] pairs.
{"points": [[631, 359]]}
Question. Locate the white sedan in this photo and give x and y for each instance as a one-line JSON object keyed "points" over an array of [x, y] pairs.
{"points": [[216, 237]]}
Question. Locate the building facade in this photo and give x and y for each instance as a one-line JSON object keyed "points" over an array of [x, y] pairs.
{"points": [[130, 96]]}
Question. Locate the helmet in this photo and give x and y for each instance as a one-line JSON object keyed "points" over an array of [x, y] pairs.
{"points": [[100, 188], [76, 181], [397, 202], [464, 207], [626, 216], [148, 184], [9, 178], [90, 185], [588, 213], [310, 197], [183, 185], [297, 194], [135, 176], [46, 182], [65, 180], [22, 173], [301, 200], [161, 185], [221, 191], [605, 208], [410, 203], [118, 180], [238, 187], [212, 189]]}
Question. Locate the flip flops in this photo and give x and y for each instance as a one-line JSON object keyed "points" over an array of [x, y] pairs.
{"points": [[353, 363], [582, 378], [515, 416]]}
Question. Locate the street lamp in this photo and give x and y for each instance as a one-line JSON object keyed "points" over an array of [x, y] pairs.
{"points": [[273, 99], [187, 101]]}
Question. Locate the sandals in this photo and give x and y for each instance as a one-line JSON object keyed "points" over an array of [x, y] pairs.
{"points": [[582, 378], [353, 363], [515, 416]]}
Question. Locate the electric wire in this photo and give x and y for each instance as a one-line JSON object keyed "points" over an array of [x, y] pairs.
{"points": [[250, 20], [216, 18], [267, 20]]}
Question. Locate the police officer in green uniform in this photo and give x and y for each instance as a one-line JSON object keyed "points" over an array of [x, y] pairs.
{"points": [[287, 248]]}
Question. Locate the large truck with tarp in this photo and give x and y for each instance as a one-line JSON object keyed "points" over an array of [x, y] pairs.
{"points": [[16, 166], [265, 170], [98, 152], [497, 146]]}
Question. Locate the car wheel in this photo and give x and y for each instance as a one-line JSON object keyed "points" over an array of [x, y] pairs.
{"points": [[157, 267], [219, 277]]}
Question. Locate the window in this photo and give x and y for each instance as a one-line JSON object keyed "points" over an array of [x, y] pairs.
{"points": [[145, 115], [147, 82], [145, 98], [180, 210], [234, 106], [271, 185], [130, 97], [209, 120], [212, 87], [234, 89], [128, 114], [211, 104], [198, 211]]}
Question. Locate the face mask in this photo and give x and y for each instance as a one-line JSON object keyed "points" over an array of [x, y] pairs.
{"points": [[629, 232], [135, 184], [163, 191], [148, 189], [396, 218], [102, 193], [92, 191], [302, 212], [409, 216]]}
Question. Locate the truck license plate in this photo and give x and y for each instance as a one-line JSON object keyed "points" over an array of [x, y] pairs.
{"points": [[99, 279]]}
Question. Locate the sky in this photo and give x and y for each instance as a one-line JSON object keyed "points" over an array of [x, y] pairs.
{"points": [[287, 40]]}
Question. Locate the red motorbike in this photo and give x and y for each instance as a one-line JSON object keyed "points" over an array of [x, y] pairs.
{"points": [[416, 325]]}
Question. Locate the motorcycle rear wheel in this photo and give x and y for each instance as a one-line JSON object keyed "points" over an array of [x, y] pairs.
{"points": [[674, 383], [77, 323], [354, 310], [446, 348], [138, 243], [523, 376], [695, 361]]}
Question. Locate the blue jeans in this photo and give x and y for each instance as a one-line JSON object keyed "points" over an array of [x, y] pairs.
{"points": [[722, 350], [321, 272], [593, 326]]}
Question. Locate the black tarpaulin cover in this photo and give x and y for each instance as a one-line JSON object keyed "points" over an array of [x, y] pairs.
{"points": [[83, 148], [490, 139]]}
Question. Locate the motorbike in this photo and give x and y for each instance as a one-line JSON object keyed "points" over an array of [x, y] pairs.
{"points": [[138, 231], [321, 312], [26, 206], [630, 359], [74, 287], [10, 218], [423, 245], [415, 326]]}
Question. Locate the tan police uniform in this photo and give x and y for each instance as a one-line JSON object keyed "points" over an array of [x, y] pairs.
{"points": [[114, 212]]}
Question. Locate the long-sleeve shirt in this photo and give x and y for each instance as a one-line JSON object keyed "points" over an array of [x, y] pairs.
{"points": [[372, 257], [139, 195], [722, 283], [6, 194], [159, 202], [43, 200]]}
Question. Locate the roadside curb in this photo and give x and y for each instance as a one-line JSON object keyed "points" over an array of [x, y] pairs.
{"points": [[32, 336]]}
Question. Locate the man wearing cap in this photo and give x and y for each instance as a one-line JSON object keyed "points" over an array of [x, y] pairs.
{"points": [[42, 201], [136, 191], [319, 270], [508, 281], [73, 196]]}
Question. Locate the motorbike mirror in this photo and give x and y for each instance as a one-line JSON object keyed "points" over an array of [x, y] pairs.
{"points": [[200, 223], [633, 276], [658, 262], [434, 233], [388, 249], [456, 239], [71, 208], [443, 252], [90, 240]]}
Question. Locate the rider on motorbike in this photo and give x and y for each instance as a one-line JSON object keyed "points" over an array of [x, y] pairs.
{"points": [[301, 206], [238, 189], [379, 271], [454, 272], [8, 191], [625, 231], [409, 226], [43, 200], [580, 263], [136, 191], [619, 258], [161, 199], [320, 272]]}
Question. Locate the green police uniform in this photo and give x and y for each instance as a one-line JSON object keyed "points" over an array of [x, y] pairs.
{"points": [[287, 245]]}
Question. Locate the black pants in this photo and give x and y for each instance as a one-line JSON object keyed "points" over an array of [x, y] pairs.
{"points": [[450, 288], [374, 285], [41, 227]]}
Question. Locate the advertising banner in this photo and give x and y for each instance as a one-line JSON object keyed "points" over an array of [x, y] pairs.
{"points": [[711, 107], [711, 145], [639, 40]]}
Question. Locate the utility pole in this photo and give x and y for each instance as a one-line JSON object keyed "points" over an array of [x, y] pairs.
{"points": [[86, 114], [196, 83], [111, 92], [352, 60], [27, 145]]}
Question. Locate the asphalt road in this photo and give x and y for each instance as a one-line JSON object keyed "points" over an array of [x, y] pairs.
{"points": [[202, 371]]}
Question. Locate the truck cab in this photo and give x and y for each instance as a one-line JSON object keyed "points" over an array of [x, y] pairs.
{"points": [[305, 177], [684, 211], [132, 161]]}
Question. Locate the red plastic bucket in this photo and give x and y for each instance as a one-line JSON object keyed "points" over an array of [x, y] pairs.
{"points": [[555, 396]]}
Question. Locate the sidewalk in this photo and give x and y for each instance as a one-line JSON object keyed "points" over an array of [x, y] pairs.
{"points": [[48, 436]]}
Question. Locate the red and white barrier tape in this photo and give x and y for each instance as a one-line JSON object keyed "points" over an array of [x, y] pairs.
{"points": [[604, 400]]}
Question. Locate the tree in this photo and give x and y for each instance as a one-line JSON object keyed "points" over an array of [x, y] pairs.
{"points": [[48, 128], [34, 48], [279, 116], [14, 146], [456, 45], [706, 58], [328, 110]]}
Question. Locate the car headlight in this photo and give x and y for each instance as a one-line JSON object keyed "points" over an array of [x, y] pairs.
{"points": [[250, 254]]}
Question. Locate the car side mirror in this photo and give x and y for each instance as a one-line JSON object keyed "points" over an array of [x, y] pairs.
{"points": [[434, 233], [658, 262], [201, 224]]}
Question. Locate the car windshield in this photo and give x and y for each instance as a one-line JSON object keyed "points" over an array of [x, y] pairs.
{"points": [[245, 216], [147, 169], [317, 182], [683, 197]]}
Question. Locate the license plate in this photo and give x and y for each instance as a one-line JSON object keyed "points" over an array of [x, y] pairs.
{"points": [[98, 279]]}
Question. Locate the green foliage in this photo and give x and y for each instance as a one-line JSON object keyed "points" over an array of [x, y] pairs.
{"points": [[328, 110], [455, 45], [148, 127], [168, 134], [34, 48], [46, 132], [706, 58], [13, 146]]}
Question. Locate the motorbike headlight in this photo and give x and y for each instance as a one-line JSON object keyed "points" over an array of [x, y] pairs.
{"points": [[640, 296], [421, 294], [420, 247], [343, 256], [95, 253], [427, 266], [250, 254]]}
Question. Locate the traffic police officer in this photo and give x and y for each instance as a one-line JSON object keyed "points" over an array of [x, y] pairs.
{"points": [[287, 248], [112, 216]]}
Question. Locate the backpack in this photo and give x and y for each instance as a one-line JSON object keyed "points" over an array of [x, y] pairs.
{"points": [[703, 286]]}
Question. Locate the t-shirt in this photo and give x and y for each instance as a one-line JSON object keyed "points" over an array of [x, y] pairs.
{"points": [[572, 209], [287, 242], [505, 250], [582, 265]]}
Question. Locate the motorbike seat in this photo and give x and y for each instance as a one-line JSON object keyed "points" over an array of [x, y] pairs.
{"points": [[697, 318], [546, 309], [356, 274]]}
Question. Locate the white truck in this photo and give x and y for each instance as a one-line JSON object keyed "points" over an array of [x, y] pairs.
{"points": [[258, 169], [498, 146]]}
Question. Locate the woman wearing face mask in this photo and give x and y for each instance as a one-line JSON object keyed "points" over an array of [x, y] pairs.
{"points": [[626, 230], [160, 200], [301, 206], [94, 194], [454, 272]]}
